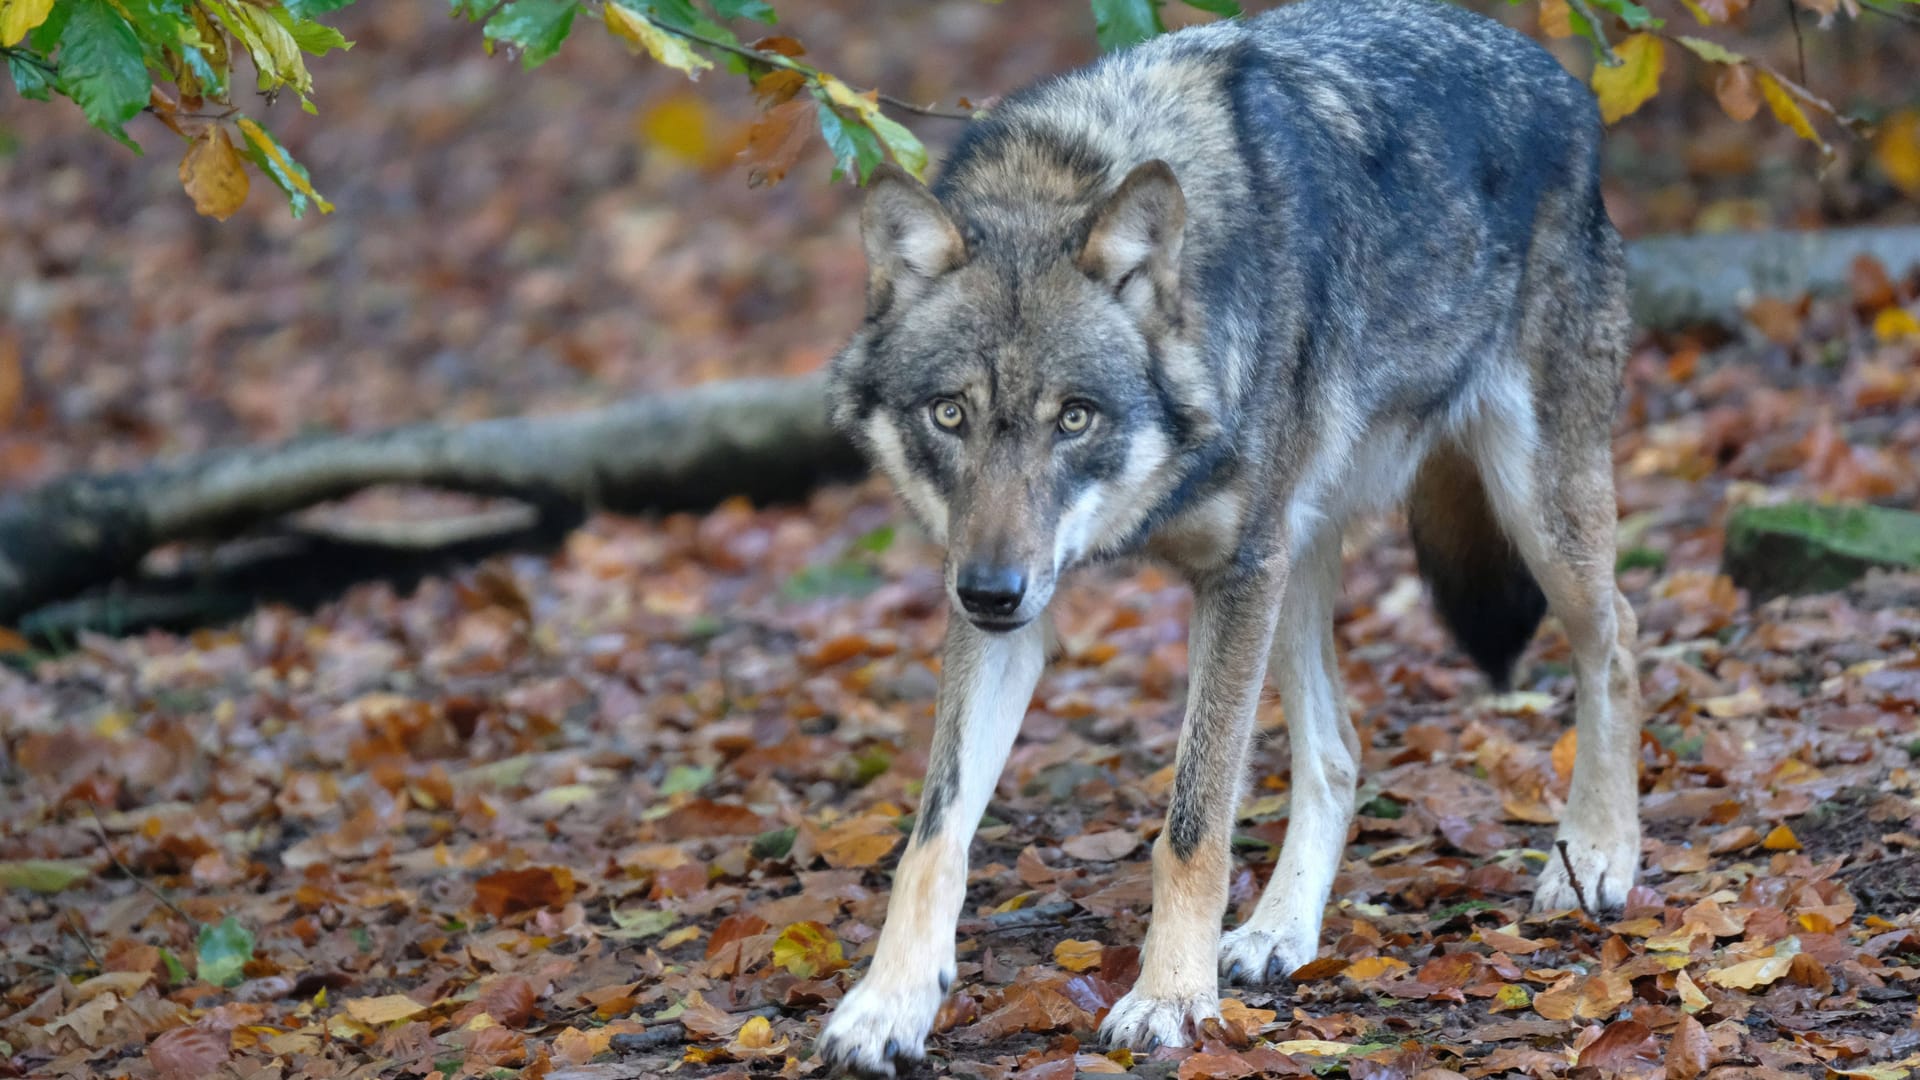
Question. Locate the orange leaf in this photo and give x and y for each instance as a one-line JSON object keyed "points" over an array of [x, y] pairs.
{"points": [[1781, 839], [775, 140], [1734, 87], [510, 891], [1376, 967], [1564, 749], [214, 175], [1689, 1054], [859, 842], [1078, 955]]}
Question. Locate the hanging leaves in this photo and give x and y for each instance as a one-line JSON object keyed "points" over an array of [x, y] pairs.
{"points": [[641, 35], [1787, 110], [19, 16]]}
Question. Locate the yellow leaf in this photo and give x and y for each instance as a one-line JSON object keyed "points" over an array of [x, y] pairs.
{"points": [[17, 17], [213, 174], [1626, 87], [1895, 324], [1763, 971], [1235, 1011], [1077, 955], [1896, 149], [1692, 998], [1781, 839], [276, 55], [384, 1010], [808, 949], [1699, 13], [640, 33], [1564, 750], [1788, 111], [1509, 997], [681, 126]]}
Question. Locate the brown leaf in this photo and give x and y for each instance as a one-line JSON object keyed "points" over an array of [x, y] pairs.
{"points": [[1738, 94], [189, 1053], [506, 892], [776, 139], [1624, 1044], [214, 175], [785, 46], [1108, 846], [741, 924], [1688, 1057]]}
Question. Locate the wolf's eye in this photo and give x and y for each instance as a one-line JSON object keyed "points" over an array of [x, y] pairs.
{"points": [[948, 414], [1075, 418]]}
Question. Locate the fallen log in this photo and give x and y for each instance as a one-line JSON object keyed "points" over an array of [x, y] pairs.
{"points": [[767, 439]]}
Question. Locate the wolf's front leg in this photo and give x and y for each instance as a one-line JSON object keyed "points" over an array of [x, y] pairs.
{"points": [[1284, 931], [1179, 975], [987, 680]]}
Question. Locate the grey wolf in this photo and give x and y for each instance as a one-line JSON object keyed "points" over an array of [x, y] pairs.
{"points": [[1205, 301]]}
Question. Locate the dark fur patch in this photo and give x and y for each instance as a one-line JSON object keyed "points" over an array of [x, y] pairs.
{"points": [[1483, 589]]}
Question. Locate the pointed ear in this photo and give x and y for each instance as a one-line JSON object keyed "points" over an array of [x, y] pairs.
{"points": [[1133, 245], [909, 237]]}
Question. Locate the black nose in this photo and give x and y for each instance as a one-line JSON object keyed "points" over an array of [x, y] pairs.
{"points": [[991, 590]]}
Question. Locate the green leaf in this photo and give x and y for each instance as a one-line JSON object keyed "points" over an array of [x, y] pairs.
{"points": [[774, 843], [176, 971], [102, 67], [538, 27], [316, 38], [757, 10], [1635, 16], [682, 14], [43, 875], [1120, 23], [686, 778], [1710, 51], [642, 922], [29, 78], [854, 146], [224, 949], [906, 149], [472, 10], [302, 10], [1226, 9], [877, 541]]}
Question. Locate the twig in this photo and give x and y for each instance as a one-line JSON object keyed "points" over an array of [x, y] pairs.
{"points": [[1607, 55], [192, 923], [1799, 42], [1020, 918], [27, 57], [773, 59], [1877, 864], [1579, 890], [74, 925], [1895, 14]]}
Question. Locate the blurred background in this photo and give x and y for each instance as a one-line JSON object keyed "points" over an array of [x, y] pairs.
{"points": [[510, 240]]}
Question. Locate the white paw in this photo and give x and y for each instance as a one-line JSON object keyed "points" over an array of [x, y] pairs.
{"points": [[876, 1026], [1141, 1023], [1605, 872], [1255, 955]]}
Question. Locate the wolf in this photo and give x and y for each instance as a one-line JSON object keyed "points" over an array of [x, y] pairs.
{"points": [[1203, 302]]}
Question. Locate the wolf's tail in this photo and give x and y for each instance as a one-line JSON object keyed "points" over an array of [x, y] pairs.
{"points": [[1483, 589]]}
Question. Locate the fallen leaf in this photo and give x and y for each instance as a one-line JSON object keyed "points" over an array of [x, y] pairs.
{"points": [[507, 892], [1108, 846], [808, 949], [1078, 955], [386, 1009]]}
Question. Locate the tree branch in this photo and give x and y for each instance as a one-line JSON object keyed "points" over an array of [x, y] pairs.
{"points": [[811, 74]]}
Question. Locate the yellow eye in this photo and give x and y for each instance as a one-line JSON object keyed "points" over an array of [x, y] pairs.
{"points": [[1075, 418], [948, 414]]}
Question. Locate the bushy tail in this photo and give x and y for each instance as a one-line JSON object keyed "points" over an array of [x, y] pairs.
{"points": [[1483, 589]]}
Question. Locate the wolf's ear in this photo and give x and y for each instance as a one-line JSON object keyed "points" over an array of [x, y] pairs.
{"points": [[908, 236], [1134, 238]]}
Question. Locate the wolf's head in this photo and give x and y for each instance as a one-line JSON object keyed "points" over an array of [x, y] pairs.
{"points": [[1026, 375]]}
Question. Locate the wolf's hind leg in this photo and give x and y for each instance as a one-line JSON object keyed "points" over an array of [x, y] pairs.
{"points": [[986, 683], [1179, 984], [1283, 932], [1551, 485]]}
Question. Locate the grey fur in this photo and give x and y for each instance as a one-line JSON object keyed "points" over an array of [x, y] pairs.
{"points": [[1284, 260]]}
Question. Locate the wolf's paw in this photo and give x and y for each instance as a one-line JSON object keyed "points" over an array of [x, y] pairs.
{"points": [[1141, 1023], [1606, 871], [874, 1028], [1255, 955]]}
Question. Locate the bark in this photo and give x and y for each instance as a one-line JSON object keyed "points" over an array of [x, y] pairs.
{"points": [[766, 439]]}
